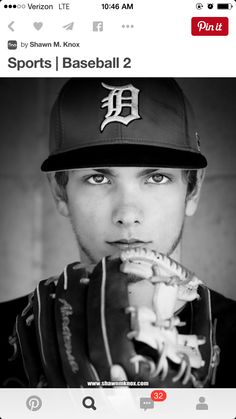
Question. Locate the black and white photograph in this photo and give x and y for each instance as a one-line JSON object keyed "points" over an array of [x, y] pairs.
{"points": [[118, 232]]}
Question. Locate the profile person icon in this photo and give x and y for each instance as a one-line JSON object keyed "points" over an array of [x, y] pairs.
{"points": [[202, 405]]}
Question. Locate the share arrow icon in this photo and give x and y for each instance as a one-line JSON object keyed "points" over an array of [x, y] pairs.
{"points": [[69, 26]]}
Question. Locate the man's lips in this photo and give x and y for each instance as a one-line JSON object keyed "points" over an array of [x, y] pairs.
{"points": [[128, 244]]}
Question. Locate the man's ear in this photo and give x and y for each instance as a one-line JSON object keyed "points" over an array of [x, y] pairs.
{"points": [[193, 198], [58, 195]]}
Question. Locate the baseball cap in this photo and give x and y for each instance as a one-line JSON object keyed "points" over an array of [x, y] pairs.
{"points": [[145, 122]]}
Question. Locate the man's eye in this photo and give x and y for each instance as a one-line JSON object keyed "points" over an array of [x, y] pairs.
{"points": [[97, 180], [157, 178]]}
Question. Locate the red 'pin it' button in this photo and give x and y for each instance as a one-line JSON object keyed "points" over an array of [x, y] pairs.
{"points": [[210, 26], [158, 395]]}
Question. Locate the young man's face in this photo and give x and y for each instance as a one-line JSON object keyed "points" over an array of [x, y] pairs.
{"points": [[122, 207]]}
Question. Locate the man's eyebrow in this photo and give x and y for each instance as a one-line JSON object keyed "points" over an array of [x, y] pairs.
{"points": [[104, 171], [148, 171]]}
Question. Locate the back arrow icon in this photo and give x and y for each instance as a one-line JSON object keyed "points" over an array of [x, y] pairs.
{"points": [[10, 26]]}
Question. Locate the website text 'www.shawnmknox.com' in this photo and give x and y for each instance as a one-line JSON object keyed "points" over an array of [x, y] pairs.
{"points": [[118, 383]]}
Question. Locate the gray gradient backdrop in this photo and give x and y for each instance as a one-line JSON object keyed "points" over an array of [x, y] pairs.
{"points": [[36, 242]]}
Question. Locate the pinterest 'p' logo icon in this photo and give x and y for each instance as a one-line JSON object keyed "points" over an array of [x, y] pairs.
{"points": [[33, 403]]}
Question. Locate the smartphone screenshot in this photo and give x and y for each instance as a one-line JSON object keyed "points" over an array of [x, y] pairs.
{"points": [[117, 180]]}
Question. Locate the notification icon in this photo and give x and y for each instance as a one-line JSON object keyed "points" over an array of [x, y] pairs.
{"points": [[158, 395]]}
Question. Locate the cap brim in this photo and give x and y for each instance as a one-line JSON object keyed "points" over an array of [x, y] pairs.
{"points": [[124, 155]]}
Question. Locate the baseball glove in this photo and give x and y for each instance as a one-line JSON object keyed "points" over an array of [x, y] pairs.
{"points": [[140, 311]]}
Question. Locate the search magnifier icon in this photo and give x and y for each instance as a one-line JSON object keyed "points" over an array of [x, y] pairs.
{"points": [[89, 403]]}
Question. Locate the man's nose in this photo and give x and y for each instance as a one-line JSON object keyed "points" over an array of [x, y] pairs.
{"points": [[127, 215]]}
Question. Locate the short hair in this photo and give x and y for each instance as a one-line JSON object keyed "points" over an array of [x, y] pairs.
{"points": [[189, 176]]}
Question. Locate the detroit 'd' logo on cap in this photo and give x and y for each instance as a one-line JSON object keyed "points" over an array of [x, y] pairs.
{"points": [[121, 104]]}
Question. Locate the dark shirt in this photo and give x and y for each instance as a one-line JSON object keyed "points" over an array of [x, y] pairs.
{"points": [[224, 310]]}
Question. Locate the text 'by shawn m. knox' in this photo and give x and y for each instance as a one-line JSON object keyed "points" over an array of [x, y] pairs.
{"points": [[53, 44]]}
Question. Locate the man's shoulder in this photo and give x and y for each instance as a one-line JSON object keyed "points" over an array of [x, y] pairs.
{"points": [[223, 310], [222, 306], [224, 316]]}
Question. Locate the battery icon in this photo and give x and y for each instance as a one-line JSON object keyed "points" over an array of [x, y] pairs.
{"points": [[224, 6]]}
